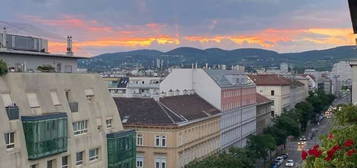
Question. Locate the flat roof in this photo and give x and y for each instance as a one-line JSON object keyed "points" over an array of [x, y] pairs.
{"points": [[40, 54]]}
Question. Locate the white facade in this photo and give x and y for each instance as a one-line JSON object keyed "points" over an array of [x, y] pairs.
{"points": [[237, 122]]}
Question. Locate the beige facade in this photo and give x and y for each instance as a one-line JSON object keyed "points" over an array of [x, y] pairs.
{"points": [[280, 96], [185, 143], [40, 95]]}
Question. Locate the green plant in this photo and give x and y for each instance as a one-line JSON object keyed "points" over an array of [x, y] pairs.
{"points": [[338, 148], [3, 68]]}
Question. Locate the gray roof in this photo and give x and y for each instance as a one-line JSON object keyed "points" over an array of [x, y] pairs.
{"points": [[229, 78]]}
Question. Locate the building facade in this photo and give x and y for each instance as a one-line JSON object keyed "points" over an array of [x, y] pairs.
{"points": [[263, 113], [276, 88], [172, 131], [60, 120], [231, 92]]}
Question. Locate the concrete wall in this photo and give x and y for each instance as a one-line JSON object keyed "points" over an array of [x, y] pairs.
{"points": [[31, 62], [96, 111]]}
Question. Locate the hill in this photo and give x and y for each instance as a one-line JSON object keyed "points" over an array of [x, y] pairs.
{"points": [[251, 57]]}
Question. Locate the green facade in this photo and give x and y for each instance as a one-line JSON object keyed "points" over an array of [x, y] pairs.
{"points": [[121, 149], [45, 135]]}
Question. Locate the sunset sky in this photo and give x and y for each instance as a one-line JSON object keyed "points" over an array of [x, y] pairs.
{"points": [[101, 26]]}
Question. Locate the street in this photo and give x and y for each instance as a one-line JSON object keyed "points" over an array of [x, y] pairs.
{"points": [[292, 147]]}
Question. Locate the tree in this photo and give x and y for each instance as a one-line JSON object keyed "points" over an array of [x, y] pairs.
{"points": [[234, 158], [261, 145], [3, 68]]}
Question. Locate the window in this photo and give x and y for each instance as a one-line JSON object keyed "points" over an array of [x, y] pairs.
{"points": [[79, 158], [109, 123], [160, 141], [54, 98], [160, 162], [157, 141], [139, 162], [34, 166], [65, 162], [139, 140], [272, 92], [80, 127], [163, 141], [93, 154], [32, 98], [10, 140], [51, 164]]}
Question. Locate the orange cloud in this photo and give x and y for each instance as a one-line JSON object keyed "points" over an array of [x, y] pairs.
{"points": [[122, 42], [269, 38]]}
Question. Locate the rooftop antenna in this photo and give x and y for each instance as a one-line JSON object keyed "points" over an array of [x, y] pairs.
{"points": [[69, 46]]}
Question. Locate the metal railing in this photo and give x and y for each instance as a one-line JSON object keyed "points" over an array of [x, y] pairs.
{"points": [[12, 112]]}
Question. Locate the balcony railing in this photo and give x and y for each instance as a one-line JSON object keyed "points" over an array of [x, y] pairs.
{"points": [[73, 106], [12, 112]]}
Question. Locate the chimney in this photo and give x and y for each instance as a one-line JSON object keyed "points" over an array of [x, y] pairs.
{"points": [[69, 46], [196, 66], [206, 65], [3, 42]]}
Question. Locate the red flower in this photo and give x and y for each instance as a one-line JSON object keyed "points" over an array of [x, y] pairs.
{"points": [[303, 155], [348, 143], [350, 152], [316, 147], [332, 151], [315, 151], [330, 136]]}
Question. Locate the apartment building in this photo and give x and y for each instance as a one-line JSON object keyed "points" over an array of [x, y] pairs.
{"points": [[276, 88], [230, 91], [172, 131], [61, 120], [263, 113]]}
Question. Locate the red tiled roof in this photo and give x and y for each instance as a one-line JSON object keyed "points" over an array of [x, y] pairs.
{"points": [[262, 99], [269, 80]]}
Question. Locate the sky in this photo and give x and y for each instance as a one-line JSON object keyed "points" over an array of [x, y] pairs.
{"points": [[102, 26]]}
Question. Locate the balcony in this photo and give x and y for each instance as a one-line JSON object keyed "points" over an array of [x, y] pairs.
{"points": [[143, 86], [73, 106], [121, 149], [45, 135], [12, 112]]}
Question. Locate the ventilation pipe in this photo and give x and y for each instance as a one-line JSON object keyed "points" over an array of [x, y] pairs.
{"points": [[69, 46]]}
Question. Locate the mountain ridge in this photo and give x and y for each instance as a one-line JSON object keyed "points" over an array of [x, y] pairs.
{"points": [[251, 57]]}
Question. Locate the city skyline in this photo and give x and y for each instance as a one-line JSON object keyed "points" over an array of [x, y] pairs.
{"points": [[112, 26]]}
